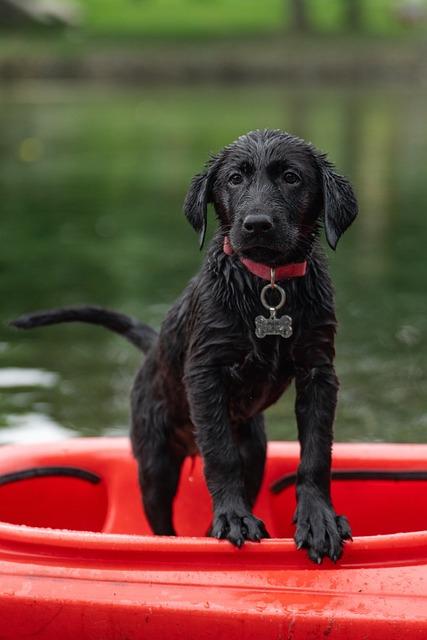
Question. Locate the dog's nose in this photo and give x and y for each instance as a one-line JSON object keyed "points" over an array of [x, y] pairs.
{"points": [[257, 223]]}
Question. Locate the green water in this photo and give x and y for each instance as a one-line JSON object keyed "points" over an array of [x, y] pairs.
{"points": [[92, 181]]}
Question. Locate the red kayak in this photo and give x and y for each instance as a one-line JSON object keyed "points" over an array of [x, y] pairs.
{"points": [[77, 560]]}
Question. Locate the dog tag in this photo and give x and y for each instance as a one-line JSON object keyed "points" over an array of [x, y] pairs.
{"points": [[273, 326]]}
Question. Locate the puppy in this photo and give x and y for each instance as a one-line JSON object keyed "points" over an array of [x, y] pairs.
{"points": [[259, 314]]}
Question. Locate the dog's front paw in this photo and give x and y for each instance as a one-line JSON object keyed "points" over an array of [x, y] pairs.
{"points": [[319, 529], [237, 527]]}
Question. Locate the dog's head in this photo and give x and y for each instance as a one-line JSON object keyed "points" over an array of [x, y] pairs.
{"points": [[271, 191]]}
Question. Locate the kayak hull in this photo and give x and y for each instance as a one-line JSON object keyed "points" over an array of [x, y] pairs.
{"points": [[118, 581]]}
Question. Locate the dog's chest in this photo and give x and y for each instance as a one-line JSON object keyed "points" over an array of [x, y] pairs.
{"points": [[259, 378]]}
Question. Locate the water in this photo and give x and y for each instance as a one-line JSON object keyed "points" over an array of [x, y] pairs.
{"points": [[92, 182]]}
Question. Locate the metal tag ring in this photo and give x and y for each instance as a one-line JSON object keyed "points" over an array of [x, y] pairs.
{"points": [[274, 287]]}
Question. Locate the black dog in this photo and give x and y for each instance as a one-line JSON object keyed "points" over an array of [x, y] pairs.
{"points": [[212, 371]]}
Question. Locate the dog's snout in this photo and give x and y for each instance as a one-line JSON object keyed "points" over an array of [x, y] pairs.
{"points": [[257, 223]]}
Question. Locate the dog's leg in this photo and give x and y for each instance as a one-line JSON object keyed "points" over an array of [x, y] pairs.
{"points": [[318, 528], [223, 467], [159, 464], [252, 447], [158, 473]]}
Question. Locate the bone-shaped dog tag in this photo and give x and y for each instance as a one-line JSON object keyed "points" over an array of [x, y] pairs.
{"points": [[273, 326]]}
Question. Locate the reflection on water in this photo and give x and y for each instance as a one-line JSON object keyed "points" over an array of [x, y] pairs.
{"points": [[92, 185], [11, 377], [29, 428]]}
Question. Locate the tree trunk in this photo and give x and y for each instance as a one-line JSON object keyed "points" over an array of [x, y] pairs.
{"points": [[353, 15], [299, 20]]}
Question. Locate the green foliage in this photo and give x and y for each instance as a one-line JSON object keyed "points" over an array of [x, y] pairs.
{"points": [[182, 17], [138, 25], [198, 18]]}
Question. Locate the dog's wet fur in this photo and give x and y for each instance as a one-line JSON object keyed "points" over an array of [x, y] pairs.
{"points": [[207, 378]]}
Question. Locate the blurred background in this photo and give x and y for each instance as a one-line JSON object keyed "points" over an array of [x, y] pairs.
{"points": [[108, 107]]}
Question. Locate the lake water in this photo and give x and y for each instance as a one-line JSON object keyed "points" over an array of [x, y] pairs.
{"points": [[92, 182]]}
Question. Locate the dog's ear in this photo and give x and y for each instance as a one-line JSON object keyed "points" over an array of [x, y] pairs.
{"points": [[339, 202], [199, 195]]}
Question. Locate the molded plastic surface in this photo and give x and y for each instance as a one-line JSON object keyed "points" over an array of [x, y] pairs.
{"points": [[106, 577]]}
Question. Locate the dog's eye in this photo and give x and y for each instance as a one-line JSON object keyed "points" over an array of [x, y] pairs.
{"points": [[291, 177], [235, 178]]}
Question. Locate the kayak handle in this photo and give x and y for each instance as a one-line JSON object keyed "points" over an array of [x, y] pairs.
{"points": [[48, 472], [354, 474]]}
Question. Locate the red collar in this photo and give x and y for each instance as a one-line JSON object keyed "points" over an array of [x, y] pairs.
{"points": [[294, 270]]}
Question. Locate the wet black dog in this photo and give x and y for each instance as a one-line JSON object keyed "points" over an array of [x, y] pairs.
{"points": [[207, 377]]}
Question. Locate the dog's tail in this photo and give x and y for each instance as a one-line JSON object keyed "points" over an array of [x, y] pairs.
{"points": [[139, 334]]}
